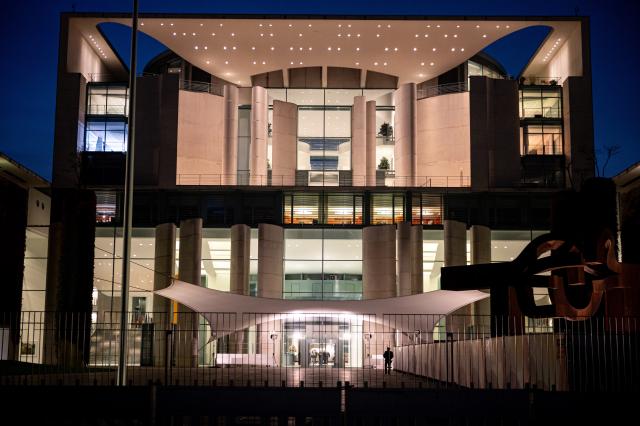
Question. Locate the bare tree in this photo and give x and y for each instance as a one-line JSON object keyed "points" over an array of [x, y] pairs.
{"points": [[610, 151]]}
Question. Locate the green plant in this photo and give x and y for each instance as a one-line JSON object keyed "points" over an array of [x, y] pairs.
{"points": [[384, 164], [385, 129]]}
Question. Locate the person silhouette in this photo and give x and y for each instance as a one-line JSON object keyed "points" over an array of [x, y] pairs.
{"points": [[388, 359]]}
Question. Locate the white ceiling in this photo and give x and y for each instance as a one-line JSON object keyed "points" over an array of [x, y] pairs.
{"points": [[413, 50]]}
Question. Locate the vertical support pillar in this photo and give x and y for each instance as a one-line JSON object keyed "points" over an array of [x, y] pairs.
{"points": [[409, 259], [406, 160], [270, 260], [189, 270], [259, 135], [455, 254], [379, 261], [284, 143], [480, 245], [230, 160], [240, 248], [359, 140], [370, 152], [164, 267]]}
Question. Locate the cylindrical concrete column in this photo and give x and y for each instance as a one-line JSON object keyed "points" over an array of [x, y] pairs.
{"points": [[379, 261], [480, 244], [270, 260], [259, 135], [189, 269], [359, 140], [164, 269], [409, 240], [371, 139], [406, 134], [240, 248], [284, 143], [455, 243], [230, 149], [455, 254]]}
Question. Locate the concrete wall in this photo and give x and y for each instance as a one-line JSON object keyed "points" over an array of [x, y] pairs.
{"points": [[200, 141], [81, 58], [578, 139], [495, 133], [379, 261], [157, 130], [406, 134], [567, 61], [444, 140], [284, 143], [259, 135]]}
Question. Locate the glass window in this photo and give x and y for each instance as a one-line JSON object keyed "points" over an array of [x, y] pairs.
{"points": [[541, 102], [107, 100], [387, 208], [102, 136], [338, 97], [541, 139], [426, 209], [343, 209], [306, 96], [302, 208], [277, 95]]}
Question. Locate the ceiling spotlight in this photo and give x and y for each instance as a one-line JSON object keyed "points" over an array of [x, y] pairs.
{"points": [[457, 26], [385, 64], [290, 25], [261, 34], [309, 25], [273, 48], [253, 48], [310, 48], [453, 49], [484, 36], [193, 34], [455, 36], [375, 63], [264, 62], [386, 49], [224, 47], [270, 34], [421, 75], [432, 64], [254, 62], [357, 49], [357, 63], [206, 48], [300, 62], [422, 64], [415, 49], [291, 48], [171, 24], [377, 35], [477, 26], [208, 62], [291, 62], [226, 62], [329, 48], [195, 47], [446, 35], [462, 49], [233, 34], [395, 49], [434, 49], [213, 34], [300, 35], [357, 35], [338, 49], [260, 25]]}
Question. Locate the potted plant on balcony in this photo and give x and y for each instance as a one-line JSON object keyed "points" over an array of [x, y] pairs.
{"points": [[386, 131], [384, 164]]}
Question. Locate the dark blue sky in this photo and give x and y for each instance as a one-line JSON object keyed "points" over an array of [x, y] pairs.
{"points": [[29, 48]]}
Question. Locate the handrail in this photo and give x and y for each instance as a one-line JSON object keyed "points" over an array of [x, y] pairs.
{"points": [[201, 86], [336, 179], [442, 89], [540, 81]]}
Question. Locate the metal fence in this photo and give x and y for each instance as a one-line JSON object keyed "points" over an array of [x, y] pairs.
{"points": [[443, 89], [322, 350]]}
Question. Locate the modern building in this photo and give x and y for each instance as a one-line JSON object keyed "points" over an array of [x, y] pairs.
{"points": [[309, 157]]}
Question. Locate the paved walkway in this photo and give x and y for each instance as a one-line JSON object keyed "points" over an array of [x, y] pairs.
{"points": [[230, 376]]}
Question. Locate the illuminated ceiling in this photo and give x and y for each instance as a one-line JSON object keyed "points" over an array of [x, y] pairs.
{"points": [[414, 50]]}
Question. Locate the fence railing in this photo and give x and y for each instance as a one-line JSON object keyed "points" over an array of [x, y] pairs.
{"points": [[332, 178], [201, 86], [320, 349], [443, 89]]}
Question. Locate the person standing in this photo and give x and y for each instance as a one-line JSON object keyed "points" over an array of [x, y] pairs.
{"points": [[388, 359]]}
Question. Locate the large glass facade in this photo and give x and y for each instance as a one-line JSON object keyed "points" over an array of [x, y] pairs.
{"points": [[324, 131], [387, 208], [106, 118], [104, 135], [323, 208], [323, 264], [107, 100]]}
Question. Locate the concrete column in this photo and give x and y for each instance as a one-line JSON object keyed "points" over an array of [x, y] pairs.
{"points": [[189, 270], [230, 161], [259, 135], [406, 134], [270, 260], [240, 247], [455, 254], [370, 148], [577, 115], [284, 143], [480, 244], [379, 261], [409, 240], [164, 267], [481, 253], [455, 243], [359, 140]]}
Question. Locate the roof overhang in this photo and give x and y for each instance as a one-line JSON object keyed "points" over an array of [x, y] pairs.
{"points": [[414, 49]]}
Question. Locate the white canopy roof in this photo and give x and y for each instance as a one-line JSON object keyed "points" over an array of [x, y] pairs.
{"points": [[407, 313]]}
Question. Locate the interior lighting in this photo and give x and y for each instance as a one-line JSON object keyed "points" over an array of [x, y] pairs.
{"points": [[422, 64], [455, 36], [432, 64], [385, 64], [484, 36], [434, 49], [377, 35], [386, 49], [273, 48], [415, 49], [395, 49], [375, 63], [357, 49]]}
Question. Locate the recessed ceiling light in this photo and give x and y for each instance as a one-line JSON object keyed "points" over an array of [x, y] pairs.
{"points": [[484, 36], [171, 24], [421, 75], [477, 26], [290, 25], [497, 26], [422, 64], [357, 35], [254, 62], [213, 34], [193, 34], [357, 63], [457, 26], [379, 25], [508, 26], [338, 49], [453, 49], [260, 25], [386, 49], [415, 49], [339, 35], [206, 48], [385, 64], [438, 26], [310, 48], [226, 62], [377, 35], [446, 35], [309, 25], [375, 63], [291, 62], [264, 62], [300, 35], [253, 48], [388, 26], [455, 36], [434, 49], [432, 64], [395, 49], [357, 49], [291, 48], [195, 47], [222, 25], [348, 35], [300, 62], [233, 34], [462, 49], [224, 47], [349, 25], [271, 25], [426, 35], [329, 48], [208, 62], [273, 48], [270, 34]]}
